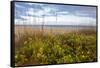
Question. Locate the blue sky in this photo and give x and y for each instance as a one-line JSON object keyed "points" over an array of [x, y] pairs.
{"points": [[32, 14]]}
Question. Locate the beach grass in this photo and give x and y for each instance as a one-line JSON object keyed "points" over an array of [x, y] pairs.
{"points": [[36, 47]]}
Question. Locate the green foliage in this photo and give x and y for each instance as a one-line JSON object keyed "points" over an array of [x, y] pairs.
{"points": [[55, 49]]}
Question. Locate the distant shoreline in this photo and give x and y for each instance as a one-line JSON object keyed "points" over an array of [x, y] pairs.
{"points": [[52, 29], [61, 25]]}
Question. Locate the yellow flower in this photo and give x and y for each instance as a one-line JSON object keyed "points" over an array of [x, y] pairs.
{"points": [[83, 56], [38, 54], [30, 38], [25, 42], [16, 56]]}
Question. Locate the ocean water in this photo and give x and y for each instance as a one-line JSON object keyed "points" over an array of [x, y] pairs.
{"points": [[57, 26]]}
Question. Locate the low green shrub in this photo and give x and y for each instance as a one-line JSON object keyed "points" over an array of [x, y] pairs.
{"points": [[56, 49]]}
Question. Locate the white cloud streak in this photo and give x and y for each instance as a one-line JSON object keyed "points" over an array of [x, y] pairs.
{"points": [[61, 20], [63, 17]]}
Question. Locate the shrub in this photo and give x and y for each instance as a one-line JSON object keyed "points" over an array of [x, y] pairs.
{"points": [[56, 49]]}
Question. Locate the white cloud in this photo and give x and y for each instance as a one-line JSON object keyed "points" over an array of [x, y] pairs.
{"points": [[63, 12], [76, 20], [18, 21], [46, 11], [32, 12], [61, 20], [30, 3], [63, 17]]}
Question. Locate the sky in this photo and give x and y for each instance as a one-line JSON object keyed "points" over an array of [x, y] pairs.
{"points": [[54, 14]]}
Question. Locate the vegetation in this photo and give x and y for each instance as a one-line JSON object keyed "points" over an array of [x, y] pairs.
{"points": [[39, 48]]}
